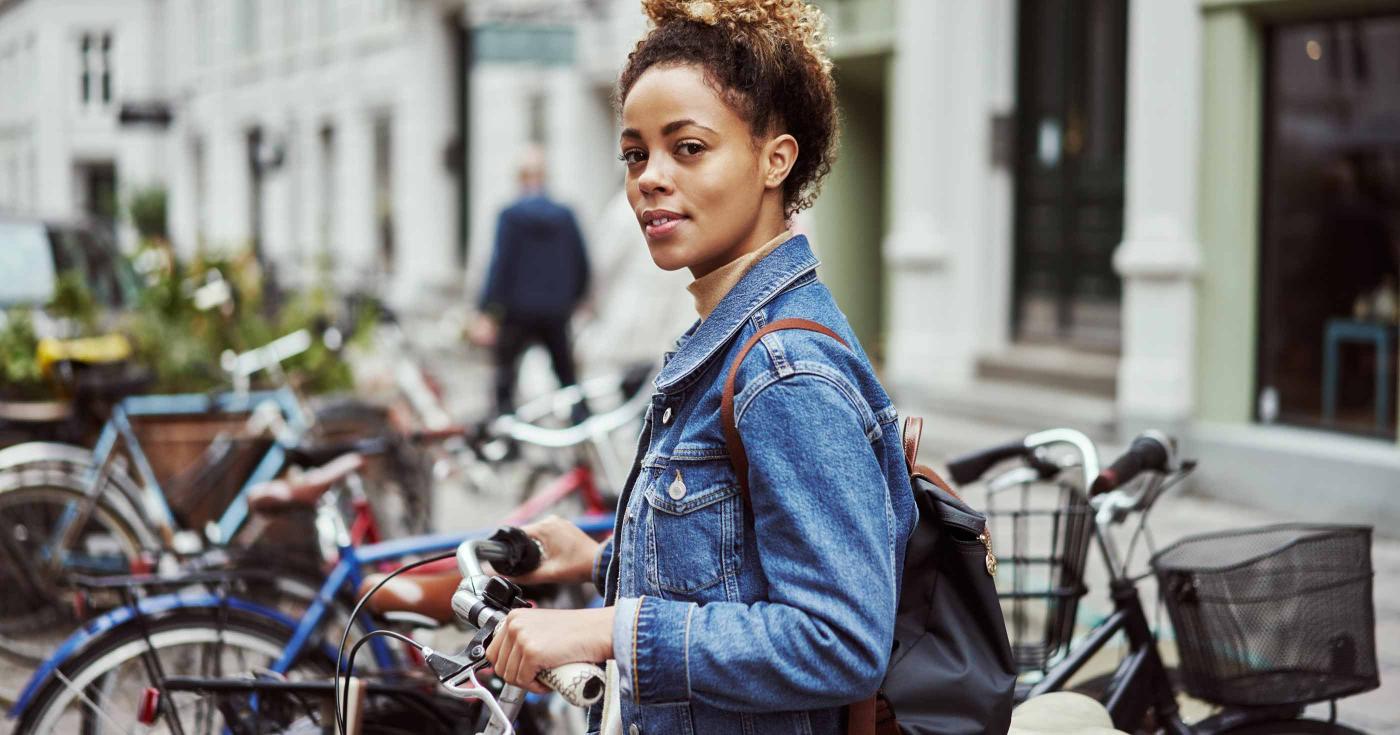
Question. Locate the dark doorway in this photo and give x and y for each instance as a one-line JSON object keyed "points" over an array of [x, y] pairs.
{"points": [[1069, 171], [99, 186]]}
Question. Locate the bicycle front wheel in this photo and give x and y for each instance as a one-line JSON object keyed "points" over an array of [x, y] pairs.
{"points": [[100, 690], [37, 614]]}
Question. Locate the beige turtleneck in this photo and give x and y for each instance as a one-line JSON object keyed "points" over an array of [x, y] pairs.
{"points": [[711, 288]]}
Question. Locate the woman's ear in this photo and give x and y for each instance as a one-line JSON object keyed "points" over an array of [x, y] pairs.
{"points": [[779, 155]]}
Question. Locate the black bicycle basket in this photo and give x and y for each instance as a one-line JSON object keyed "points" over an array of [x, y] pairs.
{"points": [[1274, 615], [1041, 533]]}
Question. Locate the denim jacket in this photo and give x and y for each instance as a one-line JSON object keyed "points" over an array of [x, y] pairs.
{"points": [[766, 623]]}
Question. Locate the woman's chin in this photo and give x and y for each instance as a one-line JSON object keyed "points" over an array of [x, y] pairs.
{"points": [[668, 257]]}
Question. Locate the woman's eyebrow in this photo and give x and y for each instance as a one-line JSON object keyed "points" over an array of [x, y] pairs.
{"points": [[670, 127], [675, 125]]}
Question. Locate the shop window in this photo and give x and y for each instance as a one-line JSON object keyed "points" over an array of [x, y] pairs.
{"points": [[1330, 225]]}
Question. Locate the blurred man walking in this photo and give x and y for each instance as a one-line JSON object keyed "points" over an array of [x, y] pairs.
{"points": [[538, 276]]}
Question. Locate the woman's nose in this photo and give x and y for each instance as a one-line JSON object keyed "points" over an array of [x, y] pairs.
{"points": [[654, 179]]}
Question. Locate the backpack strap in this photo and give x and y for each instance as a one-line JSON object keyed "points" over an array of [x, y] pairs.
{"points": [[872, 716], [737, 456], [913, 430]]}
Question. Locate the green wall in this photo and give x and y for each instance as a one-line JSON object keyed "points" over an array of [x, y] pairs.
{"points": [[1229, 216], [850, 219]]}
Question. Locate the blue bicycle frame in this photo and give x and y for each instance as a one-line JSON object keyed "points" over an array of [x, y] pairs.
{"points": [[119, 430], [349, 570]]}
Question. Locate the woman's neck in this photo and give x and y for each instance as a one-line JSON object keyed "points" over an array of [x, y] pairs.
{"points": [[715, 285], [767, 228]]}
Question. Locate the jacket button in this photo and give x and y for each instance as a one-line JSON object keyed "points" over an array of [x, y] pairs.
{"points": [[666, 416], [632, 729]]}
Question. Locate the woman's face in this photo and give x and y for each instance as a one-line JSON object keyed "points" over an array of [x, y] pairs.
{"points": [[703, 190]]}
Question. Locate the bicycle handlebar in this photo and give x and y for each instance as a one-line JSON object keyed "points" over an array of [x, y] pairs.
{"points": [[970, 468], [481, 602], [571, 436], [1151, 450], [244, 365]]}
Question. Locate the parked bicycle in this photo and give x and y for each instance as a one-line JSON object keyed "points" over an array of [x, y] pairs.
{"points": [[65, 510], [1267, 620], [99, 677]]}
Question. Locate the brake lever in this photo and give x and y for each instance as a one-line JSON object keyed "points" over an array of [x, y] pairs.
{"points": [[464, 685]]}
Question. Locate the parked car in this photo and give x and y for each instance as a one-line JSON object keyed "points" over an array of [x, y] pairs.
{"points": [[34, 253], [73, 378]]}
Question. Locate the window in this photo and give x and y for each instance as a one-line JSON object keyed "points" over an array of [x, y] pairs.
{"points": [[384, 190], [105, 69], [95, 68], [85, 68], [326, 186], [1330, 225]]}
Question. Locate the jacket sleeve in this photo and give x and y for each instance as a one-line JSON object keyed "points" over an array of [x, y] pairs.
{"points": [[825, 533], [493, 295]]}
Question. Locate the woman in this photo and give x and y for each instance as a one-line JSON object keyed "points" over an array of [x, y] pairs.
{"points": [[721, 619]]}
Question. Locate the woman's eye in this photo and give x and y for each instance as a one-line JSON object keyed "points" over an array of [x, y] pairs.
{"points": [[690, 148], [632, 156]]}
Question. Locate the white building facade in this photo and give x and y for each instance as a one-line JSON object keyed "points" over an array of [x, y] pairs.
{"points": [[322, 133], [66, 68]]}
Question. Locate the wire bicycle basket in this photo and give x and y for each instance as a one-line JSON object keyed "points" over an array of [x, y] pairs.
{"points": [[1271, 616], [1042, 531]]}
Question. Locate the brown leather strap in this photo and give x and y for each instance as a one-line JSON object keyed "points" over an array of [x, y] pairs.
{"points": [[913, 429], [860, 717], [737, 456], [873, 716], [885, 721]]}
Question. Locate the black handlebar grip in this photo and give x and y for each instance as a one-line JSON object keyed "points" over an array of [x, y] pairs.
{"points": [[521, 552], [969, 468], [1147, 452]]}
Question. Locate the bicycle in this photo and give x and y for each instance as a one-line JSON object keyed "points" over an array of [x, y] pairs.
{"points": [[479, 603], [165, 627], [1141, 695], [64, 510]]}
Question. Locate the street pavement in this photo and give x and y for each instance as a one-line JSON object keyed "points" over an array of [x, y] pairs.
{"points": [[465, 378]]}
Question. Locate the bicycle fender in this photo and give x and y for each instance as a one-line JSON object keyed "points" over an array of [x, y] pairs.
{"points": [[114, 619]]}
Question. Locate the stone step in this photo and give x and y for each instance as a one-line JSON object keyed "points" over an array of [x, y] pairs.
{"points": [[989, 412], [1091, 373]]}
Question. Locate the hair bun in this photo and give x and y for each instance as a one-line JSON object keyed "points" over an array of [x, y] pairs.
{"points": [[797, 21]]}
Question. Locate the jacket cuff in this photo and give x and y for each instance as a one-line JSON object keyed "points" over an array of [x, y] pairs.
{"points": [[650, 637], [601, 560]]}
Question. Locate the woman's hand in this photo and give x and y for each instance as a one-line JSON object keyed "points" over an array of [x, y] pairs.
{"points": [[530, 640], [568, 553]]}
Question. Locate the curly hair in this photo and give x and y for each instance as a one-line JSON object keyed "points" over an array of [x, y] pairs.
{"points": [[768, 61]]}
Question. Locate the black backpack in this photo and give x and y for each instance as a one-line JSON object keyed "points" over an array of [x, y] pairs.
{"points": [[951, 671]]}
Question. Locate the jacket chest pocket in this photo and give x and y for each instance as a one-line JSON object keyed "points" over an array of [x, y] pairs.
{"points": [[694, 531]]}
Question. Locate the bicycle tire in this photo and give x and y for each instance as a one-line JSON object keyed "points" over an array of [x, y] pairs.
{"points": [[103, 660], [30, 620], [1294, 727]]}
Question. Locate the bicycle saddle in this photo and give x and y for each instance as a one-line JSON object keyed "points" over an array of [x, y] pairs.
{"points": [[425, 594], [1061, 712], [315, 455], [305, 490]]}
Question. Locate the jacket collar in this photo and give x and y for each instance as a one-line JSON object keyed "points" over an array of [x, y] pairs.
{"points": [[768, 278]]}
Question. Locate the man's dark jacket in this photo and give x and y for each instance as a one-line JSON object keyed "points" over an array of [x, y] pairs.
{"points": [[539, 269]]}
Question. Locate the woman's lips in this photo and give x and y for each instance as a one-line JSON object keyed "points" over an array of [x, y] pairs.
{"points": [[664, 228]]}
